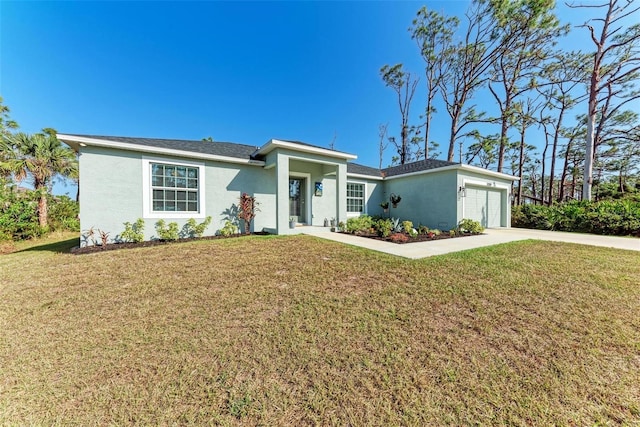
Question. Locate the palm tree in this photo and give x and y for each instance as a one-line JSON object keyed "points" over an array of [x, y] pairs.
{"points": [[41, 156]]}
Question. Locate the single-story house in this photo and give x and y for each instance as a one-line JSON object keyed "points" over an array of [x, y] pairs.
{"points": [[123, 179]]}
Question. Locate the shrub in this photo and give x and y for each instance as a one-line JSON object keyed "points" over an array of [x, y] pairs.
{"points": [[193, 229], [359, 224], [423, 229], [413, 233], [611, 217], [470, 226], [229, 229], [63, 214], [247, 210], [133, 232], [18, 217], [407, 226], [399, 238], [383, 227], [397, 226], [167, 232]]}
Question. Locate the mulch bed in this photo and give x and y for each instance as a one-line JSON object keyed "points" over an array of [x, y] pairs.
{"points": [[149, 243], [418, 238]]}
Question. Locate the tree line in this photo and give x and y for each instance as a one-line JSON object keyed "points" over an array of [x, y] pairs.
{"points": [[507, 50], [39, 159]]}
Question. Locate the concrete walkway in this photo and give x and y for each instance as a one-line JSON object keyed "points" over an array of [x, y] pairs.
{"points": [[493, 236]]}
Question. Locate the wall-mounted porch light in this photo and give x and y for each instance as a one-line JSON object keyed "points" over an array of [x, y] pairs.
{"points": [[462, 191]]}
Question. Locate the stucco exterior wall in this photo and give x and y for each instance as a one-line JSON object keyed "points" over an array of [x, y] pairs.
{"points": [[374, 194], [112, 192], [427, 199]]}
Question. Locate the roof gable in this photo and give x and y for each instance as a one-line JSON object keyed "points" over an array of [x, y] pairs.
{"points": [[226, 149]]}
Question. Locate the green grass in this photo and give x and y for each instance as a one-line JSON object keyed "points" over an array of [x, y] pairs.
{"points": [[300, 331]]}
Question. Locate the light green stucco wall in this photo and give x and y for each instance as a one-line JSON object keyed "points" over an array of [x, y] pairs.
{"points": [[111, 191], [330, 171], [427, 199]]}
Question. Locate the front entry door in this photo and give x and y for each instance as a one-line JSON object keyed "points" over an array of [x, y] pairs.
{"points": [[297, 206]]}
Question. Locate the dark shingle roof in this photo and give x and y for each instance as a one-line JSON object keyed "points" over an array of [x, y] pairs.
{"points": [[228, 149], [420, 165], [243, 151], [363, 170]]}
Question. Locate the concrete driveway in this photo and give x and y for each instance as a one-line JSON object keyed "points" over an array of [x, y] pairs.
{"points": [[492, 236]]}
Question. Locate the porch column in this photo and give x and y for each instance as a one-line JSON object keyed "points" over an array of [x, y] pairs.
{"points": [[341, 192], [282, 194]]}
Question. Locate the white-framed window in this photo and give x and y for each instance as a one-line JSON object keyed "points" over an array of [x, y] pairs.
{"points": [[355, 198], [173, 189]]}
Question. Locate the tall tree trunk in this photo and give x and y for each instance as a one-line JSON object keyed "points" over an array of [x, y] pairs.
{"points": [[565, 169], [542, 186], [504, 128], [521, 165], [427, 128], [554, 150], [587, 181], [452, 138], [43, 210]]}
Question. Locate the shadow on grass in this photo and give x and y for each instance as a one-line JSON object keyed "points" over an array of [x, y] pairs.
{"points": [[63, 246]]}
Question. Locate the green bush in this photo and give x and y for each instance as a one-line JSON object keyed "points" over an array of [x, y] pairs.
{"points": [[610, 217], [407, 226], [193, 229], [229, 229], [383, 227], [63, 214], [470, 226], [133, 232], [167, 232], [359, 224], [18, 217]]}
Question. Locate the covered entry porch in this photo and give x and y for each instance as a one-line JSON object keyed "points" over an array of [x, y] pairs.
{"points": [[311, 184]]}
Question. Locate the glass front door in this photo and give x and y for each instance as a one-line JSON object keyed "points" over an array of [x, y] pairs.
{"points": [[297, 205]]}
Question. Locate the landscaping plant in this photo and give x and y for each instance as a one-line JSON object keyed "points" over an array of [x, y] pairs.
{"points": [[383, 227], [133, 233], [229, 229], [193, 229], [247, 210], [167, 232], [359, 224], [470, 226], [399, 238], [610, 217]]}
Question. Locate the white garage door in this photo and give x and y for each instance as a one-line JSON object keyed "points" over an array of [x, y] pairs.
{"points": [[483, 205]]}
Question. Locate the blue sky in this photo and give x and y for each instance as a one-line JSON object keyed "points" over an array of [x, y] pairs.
{"points": [[237, 71]]}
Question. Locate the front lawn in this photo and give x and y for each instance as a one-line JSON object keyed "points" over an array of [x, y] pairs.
{"points": [[272, 330]]}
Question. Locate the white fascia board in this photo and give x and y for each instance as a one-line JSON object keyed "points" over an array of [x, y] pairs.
{"points": [[361, 176], [84, 141], [276, 143], [467, 168], [488, 172]]}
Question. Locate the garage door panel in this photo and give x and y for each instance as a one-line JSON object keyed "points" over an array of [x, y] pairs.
{"points": [[483, 205]]}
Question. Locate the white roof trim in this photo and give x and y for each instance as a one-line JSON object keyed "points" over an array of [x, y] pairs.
{"points": [[467, 168], [276, 143], [84, 141], [361, 176]]}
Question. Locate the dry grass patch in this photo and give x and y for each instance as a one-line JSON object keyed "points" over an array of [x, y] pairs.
{"points": [[299, 331]]}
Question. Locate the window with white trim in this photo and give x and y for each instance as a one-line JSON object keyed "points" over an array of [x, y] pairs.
{"points": [[355, 197], [174, 188]]}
